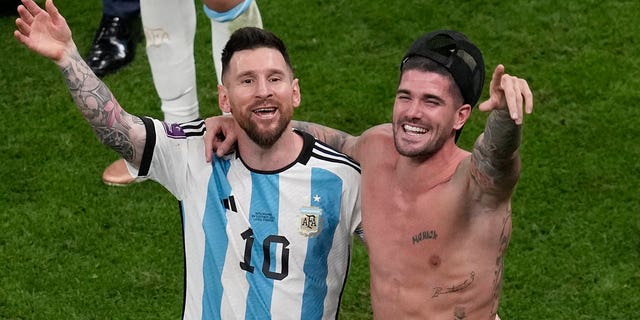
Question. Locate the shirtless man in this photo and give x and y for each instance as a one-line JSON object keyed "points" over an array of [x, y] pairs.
{"points": [[436, 218]]}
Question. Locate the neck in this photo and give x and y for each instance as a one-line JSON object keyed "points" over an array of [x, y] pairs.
{"points": [[282, 153], [429, 171]]}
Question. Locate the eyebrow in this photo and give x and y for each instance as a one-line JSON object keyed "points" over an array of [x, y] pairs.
{"points": [[423, 97], [269, 71]]}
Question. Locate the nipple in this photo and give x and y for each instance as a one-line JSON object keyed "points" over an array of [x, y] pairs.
{"points": [[434, 260]]}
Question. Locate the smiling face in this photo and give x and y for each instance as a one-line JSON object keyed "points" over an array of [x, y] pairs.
{"points": [[428, 109], [260, 92]]}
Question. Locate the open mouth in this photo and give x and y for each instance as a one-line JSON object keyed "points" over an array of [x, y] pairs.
{"points": [[413, 130], [265, 112]]}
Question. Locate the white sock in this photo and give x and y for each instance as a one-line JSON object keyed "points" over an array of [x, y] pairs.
{"points": [[223, 24], [170, 27]]}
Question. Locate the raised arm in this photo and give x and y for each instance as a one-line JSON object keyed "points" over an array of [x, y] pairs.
{"points": [[46, 32], [496, 162]]}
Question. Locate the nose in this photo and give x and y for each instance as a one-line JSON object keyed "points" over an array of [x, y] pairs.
{"points": [[263, 90], [413, 109]]}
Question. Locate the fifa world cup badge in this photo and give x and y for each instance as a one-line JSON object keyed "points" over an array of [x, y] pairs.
{"points": [[310, 219]]}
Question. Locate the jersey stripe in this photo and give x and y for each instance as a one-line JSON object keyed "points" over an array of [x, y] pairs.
{"points": [[323, 183], [326, 158], [333, 153], [214, 256], [193, 128], [324, 152], [263, 217], [149, 145]]}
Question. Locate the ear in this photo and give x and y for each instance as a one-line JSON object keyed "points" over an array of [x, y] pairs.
{"points": [[223, 99], [296, 97], [462, 115]]}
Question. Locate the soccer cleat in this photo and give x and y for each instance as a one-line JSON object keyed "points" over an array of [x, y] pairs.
{"points": [[117, 174]]}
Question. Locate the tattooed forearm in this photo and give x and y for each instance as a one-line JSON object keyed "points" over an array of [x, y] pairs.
{"points": [[333, 137], [118, 140], [110, 122], [501, 134], [495, 152]]}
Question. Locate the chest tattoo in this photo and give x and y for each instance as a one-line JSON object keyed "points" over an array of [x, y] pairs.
{"points": [[424, 235]]}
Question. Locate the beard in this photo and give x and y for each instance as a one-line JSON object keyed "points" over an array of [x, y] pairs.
{"points": [[265, 137], [425, 150]]}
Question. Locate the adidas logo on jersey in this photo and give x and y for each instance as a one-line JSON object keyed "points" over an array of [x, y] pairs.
{"points": [[230, 204]]}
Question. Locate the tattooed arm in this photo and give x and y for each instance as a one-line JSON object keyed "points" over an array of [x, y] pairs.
{"points": [[113, 126], [220, 136], [495, 153], [47, 33], [335, 138], [496, 163]]}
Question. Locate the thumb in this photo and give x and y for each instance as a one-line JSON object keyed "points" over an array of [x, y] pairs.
{"points": [[487, 105]]}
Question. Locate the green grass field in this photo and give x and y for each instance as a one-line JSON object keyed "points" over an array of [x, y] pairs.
{"points": [[73, 248]]}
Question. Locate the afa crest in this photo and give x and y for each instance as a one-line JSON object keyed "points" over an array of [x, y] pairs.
{"points": [[310, 219]]}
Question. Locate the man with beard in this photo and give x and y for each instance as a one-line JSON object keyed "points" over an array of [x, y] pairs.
{"points": [[268, 229], [436, 218]]}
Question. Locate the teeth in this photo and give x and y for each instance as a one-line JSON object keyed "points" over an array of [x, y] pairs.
{"points": [[264, 110], [414, 129]]}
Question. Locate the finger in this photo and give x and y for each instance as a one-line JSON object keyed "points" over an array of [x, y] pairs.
{"points": [[23, 27], [517, 94], [21, 37], [498, 73], [210, 138], [33, 8], [25, 15], [486, 106], [519, 100], [53, 12], [494, 90], [511, 98], [226, 145], [527, 95], [25, 40], [208, 146]]}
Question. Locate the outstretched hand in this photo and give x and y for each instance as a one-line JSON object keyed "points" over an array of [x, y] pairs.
{"points": [[44, 32], [219, 137], [508, 92]]}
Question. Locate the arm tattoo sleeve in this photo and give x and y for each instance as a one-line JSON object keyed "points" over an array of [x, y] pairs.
{"points": [[495, 154], [110, 122], [333, 137]]}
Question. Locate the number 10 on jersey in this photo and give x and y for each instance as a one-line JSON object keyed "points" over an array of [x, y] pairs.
{"points": [[269, 245]]}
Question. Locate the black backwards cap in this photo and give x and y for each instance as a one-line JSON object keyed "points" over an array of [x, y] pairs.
{"points": [[455, 52]]}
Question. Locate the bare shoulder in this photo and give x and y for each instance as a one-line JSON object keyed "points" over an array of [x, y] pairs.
{"points": [[374, 140], [377, 134]]}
